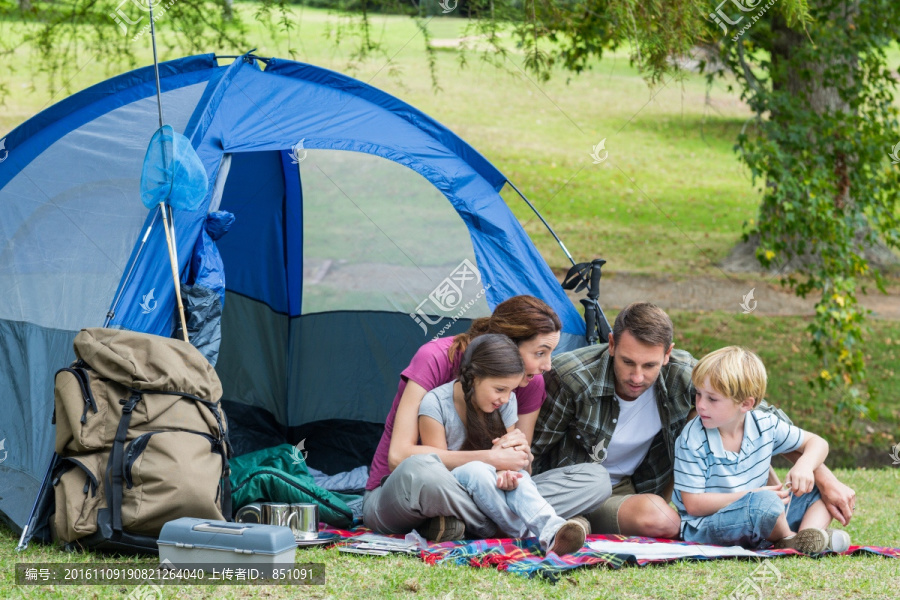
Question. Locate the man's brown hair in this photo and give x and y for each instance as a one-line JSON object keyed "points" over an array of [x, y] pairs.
{"points": [[646, 322]]}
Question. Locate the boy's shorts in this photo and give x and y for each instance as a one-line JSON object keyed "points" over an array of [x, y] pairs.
{"points": [[748, 521], [605, 520]]}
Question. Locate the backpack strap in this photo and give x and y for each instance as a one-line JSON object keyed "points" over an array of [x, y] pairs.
{"points": [[225, 485], [226, 476], [227, 452], [116, 460], [78, 369]]}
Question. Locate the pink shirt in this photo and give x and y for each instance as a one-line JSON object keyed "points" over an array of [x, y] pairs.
{"points": [[430, 368]]}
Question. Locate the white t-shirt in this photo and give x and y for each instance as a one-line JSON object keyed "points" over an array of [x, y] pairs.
{"points": [[438, 404], [637, 425]]}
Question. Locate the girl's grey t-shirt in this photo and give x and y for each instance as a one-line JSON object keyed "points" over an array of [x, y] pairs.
{"points": [[438, 404]]}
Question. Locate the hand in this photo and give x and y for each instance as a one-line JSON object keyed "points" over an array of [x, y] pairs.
{"points": [[508, 459], [511, 439], [839, 498], [508, 480], [801, 480], [782, 493], [514, 439]]}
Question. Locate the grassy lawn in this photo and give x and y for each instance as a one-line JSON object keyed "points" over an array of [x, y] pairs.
{"points": [[349, 576], [670, 200]]}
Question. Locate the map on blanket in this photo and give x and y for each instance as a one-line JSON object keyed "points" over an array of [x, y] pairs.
{"points": [[662, 550], [379, 545]]}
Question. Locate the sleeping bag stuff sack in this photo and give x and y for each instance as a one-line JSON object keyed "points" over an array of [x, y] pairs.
{"points": [[279, 474], [141, 439]]}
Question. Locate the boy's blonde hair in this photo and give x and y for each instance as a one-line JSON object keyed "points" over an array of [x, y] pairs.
{"points": [[734, 372]]}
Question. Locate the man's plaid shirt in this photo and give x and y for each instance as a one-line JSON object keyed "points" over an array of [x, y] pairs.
{"points": [[581, 411]]}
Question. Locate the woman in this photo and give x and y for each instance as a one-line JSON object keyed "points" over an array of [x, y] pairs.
{"points": [[410, 483], [472, 411]]}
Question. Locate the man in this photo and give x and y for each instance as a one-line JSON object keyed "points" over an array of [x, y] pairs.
{"points": [[623, 404]]}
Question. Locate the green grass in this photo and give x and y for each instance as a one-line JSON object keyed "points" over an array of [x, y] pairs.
{"points": [[360, 196], [348, 576]]}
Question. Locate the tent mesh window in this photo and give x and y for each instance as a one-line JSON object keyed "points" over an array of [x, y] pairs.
{"points": [[325, 259]]}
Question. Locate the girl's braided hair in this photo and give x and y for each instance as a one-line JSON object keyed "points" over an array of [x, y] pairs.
{"points": [[489, 355]]}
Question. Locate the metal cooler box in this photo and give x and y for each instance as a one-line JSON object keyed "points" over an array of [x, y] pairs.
{"points": [[200, 543]]}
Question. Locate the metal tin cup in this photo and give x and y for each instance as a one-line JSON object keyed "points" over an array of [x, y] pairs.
{"points": [[303, 519], [248, 514], [274, 513]]}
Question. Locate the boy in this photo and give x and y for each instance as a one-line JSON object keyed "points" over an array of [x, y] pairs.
{"points": [[722, 462]]}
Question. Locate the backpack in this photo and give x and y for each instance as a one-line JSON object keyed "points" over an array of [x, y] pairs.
{"points": [[141, 439]]}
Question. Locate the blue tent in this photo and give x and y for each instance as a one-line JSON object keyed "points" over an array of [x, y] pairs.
{"points": [[362, 229]]}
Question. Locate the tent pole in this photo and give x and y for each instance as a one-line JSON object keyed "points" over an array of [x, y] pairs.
{"points": [[173, 256], [174, 262], [184, 330], [592, 308], [546, 224], [110, 315], [156, 65], [33, 515]]}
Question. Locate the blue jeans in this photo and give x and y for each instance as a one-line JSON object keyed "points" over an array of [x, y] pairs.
{"points": [[749, 521], [517, 512]]}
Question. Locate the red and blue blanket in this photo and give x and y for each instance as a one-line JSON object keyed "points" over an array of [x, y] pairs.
{"points": [[525, 557]]}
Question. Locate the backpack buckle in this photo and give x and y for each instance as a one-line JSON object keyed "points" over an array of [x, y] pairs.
{"points": [[128, 406]]}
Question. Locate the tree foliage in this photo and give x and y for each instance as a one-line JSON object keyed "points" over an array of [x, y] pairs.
{"points": [[65, 35]]}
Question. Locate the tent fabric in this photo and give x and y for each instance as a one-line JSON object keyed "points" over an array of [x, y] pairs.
{"points": [[203, 290], [207, 268], [250, 101], [363, 228], [26, 400], [203, 317], [421, 121], [33, 137], [90, 171]]}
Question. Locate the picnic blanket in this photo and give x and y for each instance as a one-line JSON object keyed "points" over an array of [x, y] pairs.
{"points": [[524, 556]]}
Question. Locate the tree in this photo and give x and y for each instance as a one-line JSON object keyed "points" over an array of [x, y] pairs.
{"points": [[815, 75], [830, 208]]}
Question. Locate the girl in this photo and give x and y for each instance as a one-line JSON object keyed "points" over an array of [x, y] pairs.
{"points": [[528, 321], [400, 503], [469, 414]]}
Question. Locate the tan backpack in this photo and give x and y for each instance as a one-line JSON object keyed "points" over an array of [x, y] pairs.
{"points": [[141, 439]]}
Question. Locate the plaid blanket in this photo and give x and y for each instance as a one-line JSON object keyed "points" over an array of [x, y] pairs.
{"points": [[524, 556]]}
